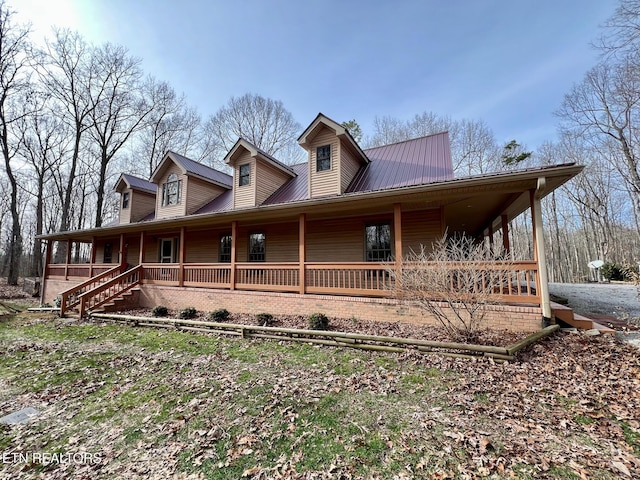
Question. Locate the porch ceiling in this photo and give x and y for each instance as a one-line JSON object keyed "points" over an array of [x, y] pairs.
{"points": [[470, 204]]}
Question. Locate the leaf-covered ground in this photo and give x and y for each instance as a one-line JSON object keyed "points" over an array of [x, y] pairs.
{"points": [[161, 404]]}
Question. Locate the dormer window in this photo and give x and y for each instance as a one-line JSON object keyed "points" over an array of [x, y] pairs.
{"points": [[245, 175], [125, 200], [323, 158], [171, 190]]}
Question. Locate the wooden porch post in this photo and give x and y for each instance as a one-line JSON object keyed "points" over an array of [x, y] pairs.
{"points": [[141, 254], [181, 255], [121, 252], [538, 229], [505, 233], [491, 235], [302, 252], [67, 260], [397, 235], [45, 270], [234, 234], [92, 256]]}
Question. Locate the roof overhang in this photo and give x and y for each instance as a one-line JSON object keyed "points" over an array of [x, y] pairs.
{"points": [[516, 187]]}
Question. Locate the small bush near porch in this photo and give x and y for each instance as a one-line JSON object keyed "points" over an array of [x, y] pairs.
{"points": [[454, 282], [162, 403]]}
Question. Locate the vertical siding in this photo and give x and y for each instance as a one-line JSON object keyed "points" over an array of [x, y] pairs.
{"points": [[200, 193], [326, 182], [420, 228], [141, 205], [349, 166], [173, 210], [244, 196], [268, 180]]}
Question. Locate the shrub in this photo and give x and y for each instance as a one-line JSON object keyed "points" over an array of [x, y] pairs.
{"points": [[318, 321], [612, 271], [188, 312], [264, 319], [160, 311], [220, 315]]}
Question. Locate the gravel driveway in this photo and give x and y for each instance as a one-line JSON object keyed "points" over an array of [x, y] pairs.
{"points": [[604, 298]]}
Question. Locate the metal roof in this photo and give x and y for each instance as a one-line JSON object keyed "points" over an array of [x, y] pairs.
{"points": [[137, 183], [221, 203], [194, 168], [412, 162], [295, 189]]}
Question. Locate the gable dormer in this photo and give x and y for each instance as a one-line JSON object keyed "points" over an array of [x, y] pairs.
{"points": [[183, 186], [256, 174], [137, 198], [334, 157]]}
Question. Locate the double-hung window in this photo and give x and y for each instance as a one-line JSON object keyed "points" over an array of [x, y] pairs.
{"points": [[323, 158], [244, 175], [225, 248], [171, 190], [378, 242], [125, 200], [257, 247]]}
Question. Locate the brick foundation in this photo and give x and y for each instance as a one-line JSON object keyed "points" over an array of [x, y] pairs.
{"points": [[509, 317]]}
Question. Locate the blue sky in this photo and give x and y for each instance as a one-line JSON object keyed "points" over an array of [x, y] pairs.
{"points": [[506, 62]]}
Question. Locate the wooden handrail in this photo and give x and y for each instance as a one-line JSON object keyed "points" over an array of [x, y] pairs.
{"points": [[65, 305], [91, 294]]}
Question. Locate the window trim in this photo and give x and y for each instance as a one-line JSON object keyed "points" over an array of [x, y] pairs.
{"points": [[244, 179], [253, 257], [369, 253], [326, 159], [172, 180]]}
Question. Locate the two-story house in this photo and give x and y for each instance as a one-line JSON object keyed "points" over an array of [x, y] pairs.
{"points": [[316, 236]]}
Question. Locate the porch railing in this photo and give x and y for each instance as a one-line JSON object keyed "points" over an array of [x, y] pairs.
{"points": [[346, 278], [70, 298], [77, 270], [110, 289]]}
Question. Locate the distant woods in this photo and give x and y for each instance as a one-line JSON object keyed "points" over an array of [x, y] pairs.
{"points": [[74, 115]]}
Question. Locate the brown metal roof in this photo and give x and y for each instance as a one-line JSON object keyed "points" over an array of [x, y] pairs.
{"points": [[412, 162], [201, 170], [137, 183]]}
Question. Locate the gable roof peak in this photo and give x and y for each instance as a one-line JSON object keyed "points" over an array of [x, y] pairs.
{"points": [[191, 167], [340, 131], [134, 183], [257, 152]]}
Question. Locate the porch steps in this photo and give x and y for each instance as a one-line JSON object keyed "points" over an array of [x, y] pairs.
{"points": [[566, 315], [128, 299]]}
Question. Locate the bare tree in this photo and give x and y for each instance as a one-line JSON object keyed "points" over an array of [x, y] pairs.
{"points": [[14, 89], [46, 142], [454, 283], [602, 110], [118, 109], [262, 121], [171, 125], [66, 73], [622, 30]]}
